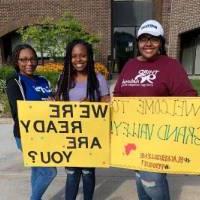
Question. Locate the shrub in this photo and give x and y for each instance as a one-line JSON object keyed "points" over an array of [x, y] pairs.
{"points": [[196, 85], [99, 67], [6, 71], [51, 71], [4, 106], [51, 76], [2, 85], [50, 67], [58, 67]]}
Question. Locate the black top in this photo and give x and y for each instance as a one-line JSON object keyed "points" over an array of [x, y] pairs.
{"points": [[15, 91]]}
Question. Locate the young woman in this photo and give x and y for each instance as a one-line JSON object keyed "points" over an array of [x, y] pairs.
{"points": [[24, 85], [152, 73], [79, 82]]}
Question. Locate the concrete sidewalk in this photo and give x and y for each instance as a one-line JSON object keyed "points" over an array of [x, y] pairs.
{"points": [[111, 184]]}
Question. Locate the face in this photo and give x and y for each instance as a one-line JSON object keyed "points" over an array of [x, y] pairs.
{"points": [[79, 57], [27, 62], [149, 46]]}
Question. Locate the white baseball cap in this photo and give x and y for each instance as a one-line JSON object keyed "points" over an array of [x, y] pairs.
{"points": [[151, 27]]}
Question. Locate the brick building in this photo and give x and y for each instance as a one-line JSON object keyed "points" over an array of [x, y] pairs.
{"points": [[94, 15], [114, 21], [182, 22]]}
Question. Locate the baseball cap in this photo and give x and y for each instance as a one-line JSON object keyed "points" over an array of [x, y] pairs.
{"points": [[151, 27]]}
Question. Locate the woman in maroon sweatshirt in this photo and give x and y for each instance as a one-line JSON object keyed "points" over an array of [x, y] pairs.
{"points": [[152, 73]]}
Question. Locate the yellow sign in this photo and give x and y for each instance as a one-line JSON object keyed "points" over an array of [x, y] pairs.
{"points": [[64, 133], [156, 134]]}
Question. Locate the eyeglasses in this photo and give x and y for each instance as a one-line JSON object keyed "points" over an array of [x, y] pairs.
{"points": [[153, 40], [26, 60]]}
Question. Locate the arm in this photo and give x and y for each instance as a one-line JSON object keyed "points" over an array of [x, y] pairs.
{"points": [[117, 88], [180, 85], [51, 94], [103, 88], [14, 94], [118, 92]]}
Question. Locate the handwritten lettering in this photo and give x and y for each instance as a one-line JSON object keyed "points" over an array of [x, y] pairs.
{"points": [[138, 130], [175, 107], [154, 165], [183, 134], [163, 157]]}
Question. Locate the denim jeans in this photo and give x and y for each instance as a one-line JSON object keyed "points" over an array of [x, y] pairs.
{"points": [[18, 143], [152, 186], [73, 179], [41, 177]]}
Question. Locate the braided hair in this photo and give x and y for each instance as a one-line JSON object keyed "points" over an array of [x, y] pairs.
{"points": [[67, 78]]}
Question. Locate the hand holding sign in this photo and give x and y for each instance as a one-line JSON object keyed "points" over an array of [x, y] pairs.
{"points": [[63, 132]]}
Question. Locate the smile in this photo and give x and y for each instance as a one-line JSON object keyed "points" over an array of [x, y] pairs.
{"points": [[80, 65]]}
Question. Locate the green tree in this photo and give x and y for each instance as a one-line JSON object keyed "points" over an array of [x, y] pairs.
{"points": [[52, 36], [37, 35]]}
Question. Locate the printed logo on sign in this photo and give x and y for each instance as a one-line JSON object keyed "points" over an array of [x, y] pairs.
{"points": [[144, 78]]}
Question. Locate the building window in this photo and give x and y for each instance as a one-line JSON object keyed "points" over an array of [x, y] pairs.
{"points": [[127, 16], [190, 52], [131, 13]]}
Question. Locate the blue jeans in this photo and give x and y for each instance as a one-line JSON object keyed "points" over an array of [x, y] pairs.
{"points": [[18, 143], [152, 186], [73, 179], [41, 177]]}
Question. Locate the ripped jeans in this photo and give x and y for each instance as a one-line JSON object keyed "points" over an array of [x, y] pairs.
{"points": [[152, 186], [73, 179]]}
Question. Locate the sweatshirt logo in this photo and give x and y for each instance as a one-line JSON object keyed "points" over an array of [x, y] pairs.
{"points": [[143, 78], [43, 90]]}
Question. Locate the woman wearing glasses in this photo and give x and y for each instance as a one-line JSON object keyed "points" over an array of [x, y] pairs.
{"points": [[152, 73], [24, 85]]}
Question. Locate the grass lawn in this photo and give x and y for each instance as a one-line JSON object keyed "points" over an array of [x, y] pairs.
{"points": [[196, 85]]}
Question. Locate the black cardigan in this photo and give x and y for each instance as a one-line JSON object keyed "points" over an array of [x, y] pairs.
{"points": [[15, 91]]}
